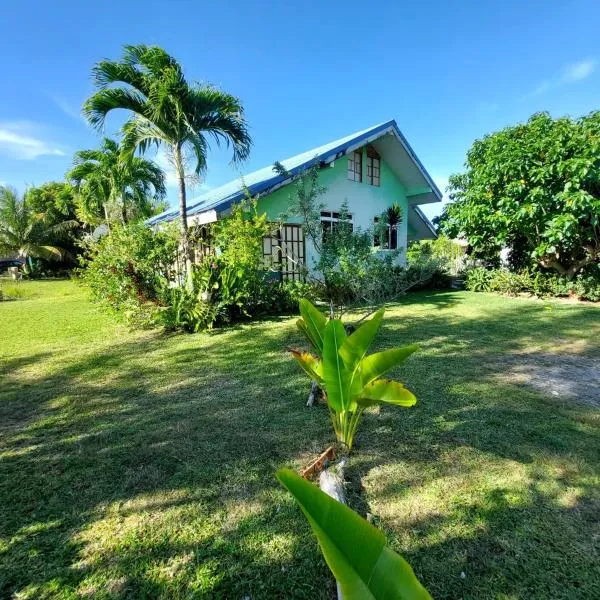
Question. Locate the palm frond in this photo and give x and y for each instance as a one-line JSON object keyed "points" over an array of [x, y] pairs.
{"points": [[97, 106]]}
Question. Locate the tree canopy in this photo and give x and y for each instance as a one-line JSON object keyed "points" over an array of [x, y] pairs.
{"points": [[535, 188], [25, 233], [168, 111], [115, 186]]}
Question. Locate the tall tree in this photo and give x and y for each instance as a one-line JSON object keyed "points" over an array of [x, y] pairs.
{"points": [[167, 111], [113, 185], [535, 188], [53, 201], [25, 233]]}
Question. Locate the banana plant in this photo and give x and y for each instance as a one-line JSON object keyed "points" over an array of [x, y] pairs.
{"points": [[352, 381], [355, 551]]}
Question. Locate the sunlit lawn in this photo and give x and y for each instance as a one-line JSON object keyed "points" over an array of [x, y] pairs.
{"points": [[136, 464]]}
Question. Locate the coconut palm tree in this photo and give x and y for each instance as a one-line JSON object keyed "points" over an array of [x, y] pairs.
{"points": [[167, 112], [113, 185], [24, 233]]}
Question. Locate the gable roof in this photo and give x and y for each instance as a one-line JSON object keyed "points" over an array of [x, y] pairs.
{"points": [[267, 180]]}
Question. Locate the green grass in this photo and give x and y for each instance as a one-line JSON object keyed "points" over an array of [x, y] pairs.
{"points": [[138, 464]]}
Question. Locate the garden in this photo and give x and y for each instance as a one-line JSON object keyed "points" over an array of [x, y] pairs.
{"points": [[153, 400], [137, 463]]}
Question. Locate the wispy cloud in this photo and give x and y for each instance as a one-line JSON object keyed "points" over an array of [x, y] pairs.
{"points": [[21, 140], [571, 73], [578, 71], [67, 108]]}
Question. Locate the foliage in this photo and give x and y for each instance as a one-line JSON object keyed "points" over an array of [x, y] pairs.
{"points": [[352, 380], [442, 247], [11, 291], [387, 225], [54, 202], [355, 551], [536, 187], [25, 233], [129, 271], [585, 286], [167, 111], [113, 186]]}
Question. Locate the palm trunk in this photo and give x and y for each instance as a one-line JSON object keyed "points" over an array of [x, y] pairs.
{"points": [[183, 213], [106, 216]]}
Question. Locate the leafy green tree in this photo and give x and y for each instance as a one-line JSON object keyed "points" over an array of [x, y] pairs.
{"points": [[112, 185], [167, 111], [534, 187], [53, 201], [25, 233]]}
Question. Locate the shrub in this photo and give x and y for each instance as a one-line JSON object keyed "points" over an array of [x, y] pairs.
{"points": [[586, 286], [129, 271]]}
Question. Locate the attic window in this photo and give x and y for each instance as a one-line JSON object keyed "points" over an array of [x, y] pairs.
{"points": [[355, 166], [373, 166]]}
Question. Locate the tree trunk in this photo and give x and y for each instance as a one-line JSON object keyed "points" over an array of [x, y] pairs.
{"points": [[106, 216], [179, 166], [331, 481]]}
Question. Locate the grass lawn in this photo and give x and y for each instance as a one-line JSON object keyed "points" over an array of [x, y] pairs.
{"points": [[138, 464]]}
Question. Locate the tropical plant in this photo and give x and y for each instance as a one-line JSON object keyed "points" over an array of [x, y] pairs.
{"points": [[129, 272], [351, 380], [535, 188], [54, 201], [355, 551], [24, 233], [167, 112], [386, 228], [114, 186]]}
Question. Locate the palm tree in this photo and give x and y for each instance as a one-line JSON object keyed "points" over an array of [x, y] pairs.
{"points": [[167, 112], [108, 180], [24, 233]]}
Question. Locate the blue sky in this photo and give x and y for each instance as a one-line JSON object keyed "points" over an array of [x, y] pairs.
{"points": [[308, 72]]}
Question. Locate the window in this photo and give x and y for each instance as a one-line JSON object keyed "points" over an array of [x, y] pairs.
{"points": [[330, 220], [283, 253], [373, 166], [390, 235], [355, 166]]}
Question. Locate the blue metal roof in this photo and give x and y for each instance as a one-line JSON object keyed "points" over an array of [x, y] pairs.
{"points": [[267, 179]]}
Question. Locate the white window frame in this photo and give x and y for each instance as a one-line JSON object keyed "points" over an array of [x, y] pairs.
{"points": [[355, 159]]}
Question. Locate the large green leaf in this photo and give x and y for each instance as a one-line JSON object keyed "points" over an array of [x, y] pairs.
{"points": [[314, 324], [311, 365], [307, 334], [356, 345], [377, 364], [354, 550], [335, 374], [386, 390]]}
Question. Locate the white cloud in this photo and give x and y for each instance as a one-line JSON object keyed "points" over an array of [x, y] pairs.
{"points": [[569, 74], [18, 140], [578, 71]]}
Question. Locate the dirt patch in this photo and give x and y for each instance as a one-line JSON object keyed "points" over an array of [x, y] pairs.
{"points": [[568, 377]]}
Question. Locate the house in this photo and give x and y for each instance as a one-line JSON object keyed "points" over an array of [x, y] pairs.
{"points": [[372, 170]]}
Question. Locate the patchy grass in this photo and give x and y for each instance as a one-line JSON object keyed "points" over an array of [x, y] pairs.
{"points": [[141, 465]]}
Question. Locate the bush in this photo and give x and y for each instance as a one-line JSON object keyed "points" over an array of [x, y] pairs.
{"points": [[129, 271], [586, 286]]}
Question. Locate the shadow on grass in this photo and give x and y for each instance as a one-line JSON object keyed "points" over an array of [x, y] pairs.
{"points": [[121, 469]]}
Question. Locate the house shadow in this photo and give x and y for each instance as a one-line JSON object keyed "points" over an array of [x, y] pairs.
{"points": [[158, 456]]}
